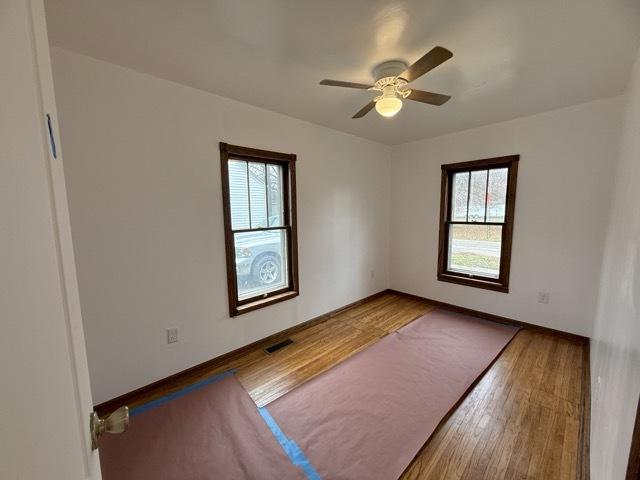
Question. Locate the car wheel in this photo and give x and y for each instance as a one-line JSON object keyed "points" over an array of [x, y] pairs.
{"points": [[266, 270]]}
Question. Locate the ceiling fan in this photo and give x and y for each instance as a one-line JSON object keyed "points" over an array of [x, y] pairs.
{"points": [[391, 80]]}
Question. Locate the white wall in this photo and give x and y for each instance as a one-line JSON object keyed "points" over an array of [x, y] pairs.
{"points": [[143, 175], [564, 185], [615, 346], [144, 189]]}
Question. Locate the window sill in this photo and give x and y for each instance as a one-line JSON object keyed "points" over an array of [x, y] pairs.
{"points": [[264, 302], [473, 282]]}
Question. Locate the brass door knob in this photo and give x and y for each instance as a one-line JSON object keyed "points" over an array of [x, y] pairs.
{"points": [[116, 422]]}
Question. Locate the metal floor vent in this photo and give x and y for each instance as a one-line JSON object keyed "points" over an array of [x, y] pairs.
{"points": [[278, 346]]}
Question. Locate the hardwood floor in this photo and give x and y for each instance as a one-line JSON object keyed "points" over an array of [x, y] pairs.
{"points": [[520, 421], [320, 347]]}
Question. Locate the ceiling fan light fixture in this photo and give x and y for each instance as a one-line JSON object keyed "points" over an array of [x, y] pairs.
{"points": [[389, 104], [392, 79]]}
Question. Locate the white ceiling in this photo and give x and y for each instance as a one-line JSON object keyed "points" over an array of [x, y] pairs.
{"points": [[511, 57]]}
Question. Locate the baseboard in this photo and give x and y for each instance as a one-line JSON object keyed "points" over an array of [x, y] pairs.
{"points": [[184, 375], [496, 318]]}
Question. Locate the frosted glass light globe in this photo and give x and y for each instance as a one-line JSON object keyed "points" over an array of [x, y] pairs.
{"points": [[388, 106]]}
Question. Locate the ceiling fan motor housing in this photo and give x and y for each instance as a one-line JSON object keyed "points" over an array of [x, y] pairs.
{"points": [[387, 80], [391, 68]]}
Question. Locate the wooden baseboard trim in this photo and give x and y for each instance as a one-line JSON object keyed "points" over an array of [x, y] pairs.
{"points": [[496, 318], [182, 376]]}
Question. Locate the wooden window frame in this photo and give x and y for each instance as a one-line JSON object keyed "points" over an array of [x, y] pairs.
{"points": [[288, 163], [500, 284]]}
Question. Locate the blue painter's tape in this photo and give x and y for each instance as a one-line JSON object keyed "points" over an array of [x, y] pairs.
{"points": [[180, 393], [291, 448]]}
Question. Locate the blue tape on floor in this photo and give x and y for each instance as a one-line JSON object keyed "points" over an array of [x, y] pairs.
{"points": [[290, 447], [180, 393]]}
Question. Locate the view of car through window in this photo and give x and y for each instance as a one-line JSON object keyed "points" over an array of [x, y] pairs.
{"points": [[257, 214], [260, 262]]}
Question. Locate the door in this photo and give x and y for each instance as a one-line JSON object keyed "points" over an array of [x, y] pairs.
{"points": [[633, 467], [45, 399]]}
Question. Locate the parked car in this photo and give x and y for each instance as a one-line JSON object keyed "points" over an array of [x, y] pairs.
{"points": [[258, 257]]}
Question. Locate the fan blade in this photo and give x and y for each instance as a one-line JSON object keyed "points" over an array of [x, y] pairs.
{"points": [[338, 83], [428, 97], [429, 61], [364, 110]]}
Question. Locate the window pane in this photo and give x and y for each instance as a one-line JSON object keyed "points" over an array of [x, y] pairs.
{"points": [[261, 262], [475, 249], [258, 195], [239, 194], [459, 197], [275, 195], [478, 195], [497, 194]]}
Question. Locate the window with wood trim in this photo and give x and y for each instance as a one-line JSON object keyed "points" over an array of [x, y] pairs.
{"points": [[477, 207], [259, 197]]}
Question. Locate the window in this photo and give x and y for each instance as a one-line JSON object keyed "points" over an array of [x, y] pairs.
{"points": [[259, 197], [476, 222]]}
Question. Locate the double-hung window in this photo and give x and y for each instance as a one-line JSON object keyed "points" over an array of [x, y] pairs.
{"points": [[259, 197], [476, 222]]}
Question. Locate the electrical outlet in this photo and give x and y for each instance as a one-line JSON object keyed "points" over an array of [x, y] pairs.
{"points": [[543, 297], [372, 274], [172, 335]]}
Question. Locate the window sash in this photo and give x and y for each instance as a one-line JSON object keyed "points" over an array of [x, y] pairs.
{"points": [[449, 222], [286, 221], [285, 279], [285, 226], [272, 293], [450, 191], [474, 275]]}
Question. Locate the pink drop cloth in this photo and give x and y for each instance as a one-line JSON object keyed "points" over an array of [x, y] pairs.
{"points": [[213, 432], [368, 417]]}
